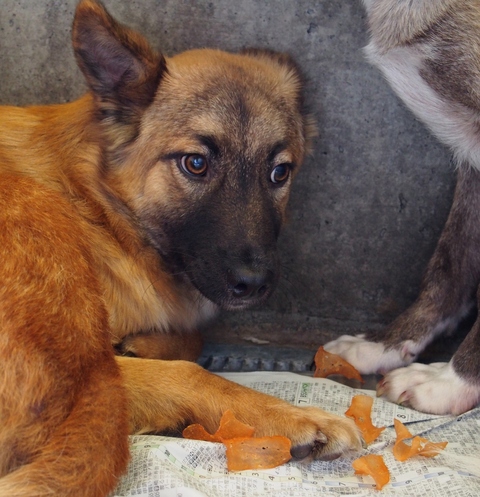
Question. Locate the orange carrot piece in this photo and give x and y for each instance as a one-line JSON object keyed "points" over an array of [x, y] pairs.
{"points": [[403, 451], [431, 449], [327, 364], [198, 432], [374, 466], [243, 451], [420, 446], [361, 411], [231, 427], [257, 453]]}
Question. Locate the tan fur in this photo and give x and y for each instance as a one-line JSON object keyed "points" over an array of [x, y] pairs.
{"points": [[84, 190], [395, 23], [59, 382]]}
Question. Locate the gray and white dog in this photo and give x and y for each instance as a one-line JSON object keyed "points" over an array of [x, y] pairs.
{"points": [[429, 51]]}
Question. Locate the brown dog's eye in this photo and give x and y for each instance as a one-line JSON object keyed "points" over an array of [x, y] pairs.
{"points": [[280, 173], [194, 164]]}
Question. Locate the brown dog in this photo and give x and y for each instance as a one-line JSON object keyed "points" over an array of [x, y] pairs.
{"points": [[129, 217], [429, 52]]}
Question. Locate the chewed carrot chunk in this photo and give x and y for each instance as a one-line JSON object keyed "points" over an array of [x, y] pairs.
{"points": [[374, 466], [420, 446], [361, 411], [327, 364], [230, 427], [257, 453]]}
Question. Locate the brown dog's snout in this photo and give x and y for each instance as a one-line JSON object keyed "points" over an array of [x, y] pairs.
{"points": [[249, 284]]}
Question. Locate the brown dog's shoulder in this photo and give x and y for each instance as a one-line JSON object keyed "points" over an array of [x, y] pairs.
{"points": [[59, 374]]}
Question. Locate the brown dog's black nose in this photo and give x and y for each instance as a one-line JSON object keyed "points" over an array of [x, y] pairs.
{"points": [[249, 284]]}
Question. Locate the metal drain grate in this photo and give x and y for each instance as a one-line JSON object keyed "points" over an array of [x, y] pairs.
{"points": [[242, 358], [233, 358]]}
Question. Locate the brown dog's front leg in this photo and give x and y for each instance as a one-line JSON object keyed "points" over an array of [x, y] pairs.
{"points": [[185, 346], [167, 395]]}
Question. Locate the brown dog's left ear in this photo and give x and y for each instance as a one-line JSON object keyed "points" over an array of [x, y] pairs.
{"points": [[121, 69]]}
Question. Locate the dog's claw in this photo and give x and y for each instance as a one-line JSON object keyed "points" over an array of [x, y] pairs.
{"points": [[317, 450], [381, 388], [308, 450], [321, 438], [404, 400]]}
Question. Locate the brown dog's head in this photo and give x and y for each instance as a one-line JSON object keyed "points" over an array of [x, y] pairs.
{"points": [[201, 148]]}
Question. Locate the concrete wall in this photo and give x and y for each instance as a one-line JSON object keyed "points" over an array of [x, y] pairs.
{"points": [[369, 205]]}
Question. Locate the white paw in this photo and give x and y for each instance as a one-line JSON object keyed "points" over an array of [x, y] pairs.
{"points": [[433, 388], [372, 357]]}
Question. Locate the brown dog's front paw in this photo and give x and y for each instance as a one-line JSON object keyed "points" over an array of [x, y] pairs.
{"points": [[315, 434], [324, 436]]}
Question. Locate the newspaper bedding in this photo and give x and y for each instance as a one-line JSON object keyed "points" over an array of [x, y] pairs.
{"points": [[175, 467]]}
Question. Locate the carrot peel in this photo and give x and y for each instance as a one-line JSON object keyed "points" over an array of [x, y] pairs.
{"points": [[230, 427], [257, 453], [361, 411], [327, 364], [198, 432], [374, 466], [243, 450], [420, 446]]}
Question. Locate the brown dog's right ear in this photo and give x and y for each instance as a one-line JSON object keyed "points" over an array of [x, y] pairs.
{"points": [[121, 69]]}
